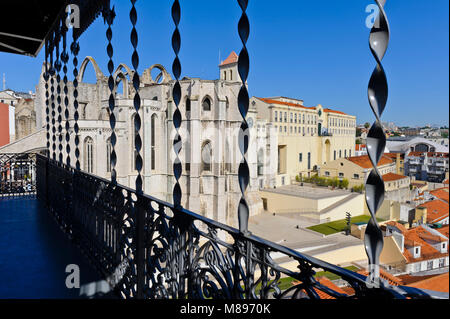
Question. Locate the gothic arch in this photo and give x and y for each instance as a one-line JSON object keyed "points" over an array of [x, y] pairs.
{"points": [[164, 76], [98, 73]]}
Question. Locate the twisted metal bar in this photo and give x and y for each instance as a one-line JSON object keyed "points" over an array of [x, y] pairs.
{"points": [[52, 89], [376, 142], [47, 100], [243, 104], [58, 99], [65, 59], [176, 93], [108, 16], [75, 48], [137, 98]]}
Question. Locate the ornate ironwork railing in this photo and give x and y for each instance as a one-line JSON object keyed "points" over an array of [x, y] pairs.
{"points": [[175, 253], [17, 175]]}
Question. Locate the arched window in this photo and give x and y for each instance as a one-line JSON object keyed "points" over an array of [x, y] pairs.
{"points": [[231, 75], [206, 104], [188, 104], [108, 155], [153, 141], [206, 157], [89, 155], [225, 75]]}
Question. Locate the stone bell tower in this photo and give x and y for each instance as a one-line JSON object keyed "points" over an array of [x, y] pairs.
{"points": [[229, 68]]}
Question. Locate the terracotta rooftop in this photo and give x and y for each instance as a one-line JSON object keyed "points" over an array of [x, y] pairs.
{"points": [[389, 177], [271, 101], [444, 230], [416, 237], [435, 283], [441, 193], [324, 281], [232, 58], [364, 161], [445, 181], [333, 111], [436, 210], [394, 281], [397, 225]]}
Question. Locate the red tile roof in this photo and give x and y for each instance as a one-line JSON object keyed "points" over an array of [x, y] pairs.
{"points": [[364, 161], [232, 58], [444, 230], [394, 155], [435, 283], [436, 210], [389, 177], [333, 111], [416, 237], [324, 281], [441, 193], [271, 101]]}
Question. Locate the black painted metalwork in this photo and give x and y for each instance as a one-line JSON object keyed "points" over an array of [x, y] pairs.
{"points": [[376, 142], [75, 48], [243, 104], [176, 94], [17, 175], [58, 91], [65, 59], [108, 16], [47, 96], [180, 260], [52, 97]]}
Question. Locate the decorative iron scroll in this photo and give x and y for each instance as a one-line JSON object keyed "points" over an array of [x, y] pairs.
{"points": [[376, 142], [75, 48], [184, 255], [108, 16], [243, 104], [176, 93]]}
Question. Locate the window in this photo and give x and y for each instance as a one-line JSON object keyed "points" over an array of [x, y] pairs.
{"points": [[231, 75], [334, 155], [206, 157], [89, 155], [429, 265], [291, 129], [309, 160], [108, 155], [341, 175], [276, 116], [441, 262], [345, 153], [340, 153], [153, 141], [300, 157], [281, 129], [188, 105], [295, 118], [327, 173], [285, 117], [291, 116], [356, 176], [206, 104], [285, 129]]}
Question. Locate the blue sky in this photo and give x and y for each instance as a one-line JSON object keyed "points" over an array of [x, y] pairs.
{"points": [[313, 50]]}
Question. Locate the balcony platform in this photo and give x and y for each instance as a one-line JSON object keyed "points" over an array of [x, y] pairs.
{"points": [[35, 253]]}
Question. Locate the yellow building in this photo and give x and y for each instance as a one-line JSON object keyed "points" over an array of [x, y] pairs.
{"points": [[308, 137], [356, 169]]}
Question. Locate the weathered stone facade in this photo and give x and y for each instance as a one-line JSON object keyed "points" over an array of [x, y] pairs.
{"points": [[210, 127]]}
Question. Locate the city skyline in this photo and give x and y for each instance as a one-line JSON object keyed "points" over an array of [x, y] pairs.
{"points": [[290, 56]]}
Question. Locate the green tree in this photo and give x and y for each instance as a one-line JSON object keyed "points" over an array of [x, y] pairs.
{"points": [[367, 125]]}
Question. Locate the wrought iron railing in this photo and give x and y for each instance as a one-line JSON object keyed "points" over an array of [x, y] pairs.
{"points": [[17, 175], [175, 253]]}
